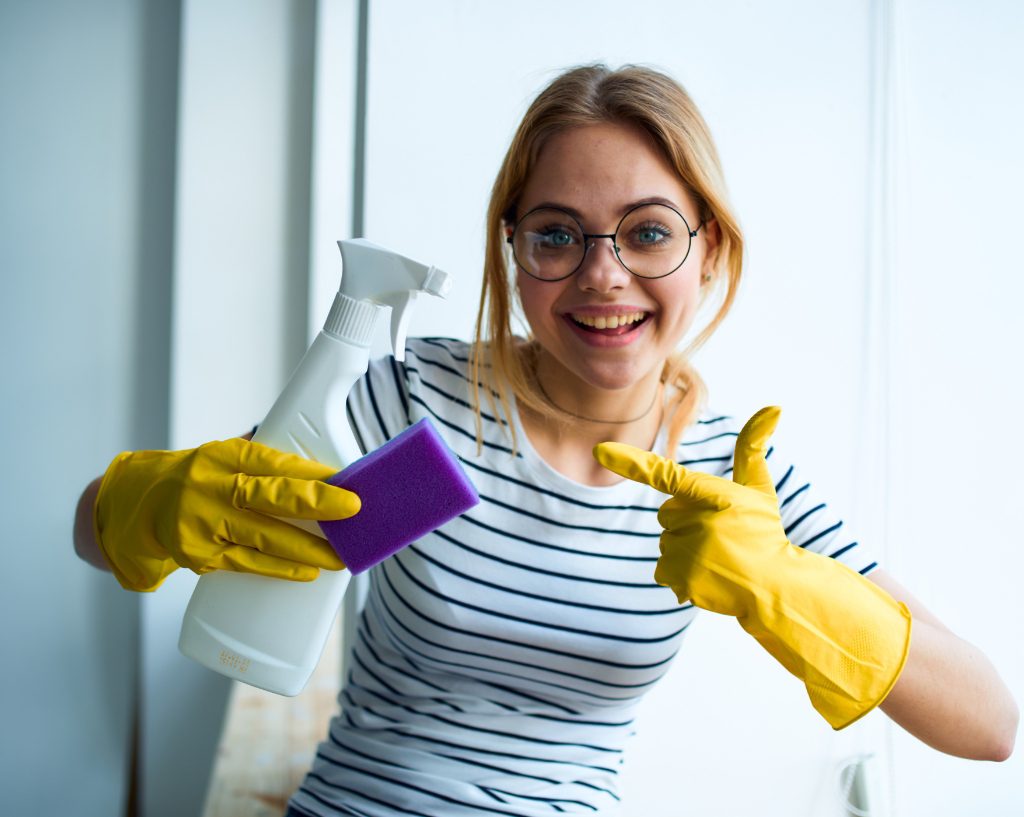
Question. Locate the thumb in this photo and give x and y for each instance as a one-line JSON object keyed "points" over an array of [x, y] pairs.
{"points": [[650, 469], [749, 465]]}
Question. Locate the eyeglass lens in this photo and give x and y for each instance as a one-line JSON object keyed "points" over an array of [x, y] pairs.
{"points": [[651, 241]]}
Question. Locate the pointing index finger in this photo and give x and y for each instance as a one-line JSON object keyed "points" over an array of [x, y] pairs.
{"points": [[660, 473]]}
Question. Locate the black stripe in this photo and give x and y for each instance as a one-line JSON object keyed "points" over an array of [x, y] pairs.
{"points": [[597, 788], [336, 806], [398, 560], [562, 497], [294, 809], [619, 725], [352, 703], [373, 403], [374, 758], [804, 516], [519, 693], [457, 400], [354, 425], [527, 540], [714, 437], [405, 735], [504, 449], [468, 728], [705, 459], [793, 496], [365, 621], [785, 477], [551, 801], [436, 341], [494, 768], [413, 787], [817, 536], [714, 420], [505, 659], [566, 525], [842, 550], [461, 373], [544, 572], [504, 589], [364, 639], [367, 634], [869, 567], [401, 381]]}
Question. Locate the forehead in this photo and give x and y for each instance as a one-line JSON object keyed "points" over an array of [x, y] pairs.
{"points": [[600, 169]]}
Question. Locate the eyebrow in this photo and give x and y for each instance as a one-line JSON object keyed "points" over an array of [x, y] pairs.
{"points": [[576, 214]]}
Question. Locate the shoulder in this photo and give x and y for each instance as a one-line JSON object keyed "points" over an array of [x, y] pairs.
{"points": [[445, 354], [708, 443]]}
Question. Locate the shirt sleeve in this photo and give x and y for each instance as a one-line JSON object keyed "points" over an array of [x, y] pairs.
{"points": [[810, 521]]}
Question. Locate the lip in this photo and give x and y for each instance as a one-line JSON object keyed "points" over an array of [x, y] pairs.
{"points": [[596, 311], [606, 341]]}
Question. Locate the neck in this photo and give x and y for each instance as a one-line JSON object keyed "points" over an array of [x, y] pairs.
{"points": [[631, 415]]}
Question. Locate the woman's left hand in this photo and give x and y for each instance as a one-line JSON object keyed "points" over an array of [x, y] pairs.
{"points": [[724, 548]]}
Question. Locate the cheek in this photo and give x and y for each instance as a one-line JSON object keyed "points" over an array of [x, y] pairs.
{"points": [[537, 298], [678, 301]]}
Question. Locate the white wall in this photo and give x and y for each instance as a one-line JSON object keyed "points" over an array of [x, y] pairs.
{"points": [[832, 322], [241, 248], [87, 105], [956, 394]]}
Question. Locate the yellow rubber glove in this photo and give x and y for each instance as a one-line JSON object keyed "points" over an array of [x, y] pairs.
{"points": [[214, 508], [725, 549]]}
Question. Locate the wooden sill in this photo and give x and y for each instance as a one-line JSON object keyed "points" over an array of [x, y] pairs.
{"points": [[268, 741]]}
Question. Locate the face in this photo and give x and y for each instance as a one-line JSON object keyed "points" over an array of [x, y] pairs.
{"points": [[599, 172]]}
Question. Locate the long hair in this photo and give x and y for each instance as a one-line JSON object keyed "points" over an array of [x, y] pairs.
{"points": [[589, 95]]}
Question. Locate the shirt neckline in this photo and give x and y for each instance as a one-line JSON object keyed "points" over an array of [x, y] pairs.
{"points": [[618, 492]]}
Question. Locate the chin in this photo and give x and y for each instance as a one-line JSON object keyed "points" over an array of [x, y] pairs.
{"points": [[612, 377]]}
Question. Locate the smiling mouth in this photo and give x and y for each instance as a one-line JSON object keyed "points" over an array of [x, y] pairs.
{"points": [[610, 324]]}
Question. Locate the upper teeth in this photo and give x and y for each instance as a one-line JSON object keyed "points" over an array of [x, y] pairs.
{"points": [[608, 321]]}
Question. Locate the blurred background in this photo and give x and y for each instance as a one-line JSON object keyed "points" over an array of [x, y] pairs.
{"points": [[173, 177]]}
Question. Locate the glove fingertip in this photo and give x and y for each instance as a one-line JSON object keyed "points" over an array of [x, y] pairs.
{"points": [[625, 460], [333, 503], [760, 427]]}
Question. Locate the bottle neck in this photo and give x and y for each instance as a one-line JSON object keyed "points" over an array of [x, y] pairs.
{"points": [[351, 320]]}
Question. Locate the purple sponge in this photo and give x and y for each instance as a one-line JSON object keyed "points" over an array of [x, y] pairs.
{"points": [[409, 486]]}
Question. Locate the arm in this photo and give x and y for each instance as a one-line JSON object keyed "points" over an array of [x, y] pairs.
{"points": [[84, 535], [949, 695]]}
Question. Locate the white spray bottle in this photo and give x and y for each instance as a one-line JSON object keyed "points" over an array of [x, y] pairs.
{"points": [[268, 632]]}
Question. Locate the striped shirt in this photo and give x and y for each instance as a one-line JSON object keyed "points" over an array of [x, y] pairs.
{"points": [[500, 660]]}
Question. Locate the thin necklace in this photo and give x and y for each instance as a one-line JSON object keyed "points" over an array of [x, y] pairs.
{"points": [[647, 411]]}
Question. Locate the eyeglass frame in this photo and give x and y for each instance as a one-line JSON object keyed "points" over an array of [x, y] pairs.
{"points": [[587, 244]]}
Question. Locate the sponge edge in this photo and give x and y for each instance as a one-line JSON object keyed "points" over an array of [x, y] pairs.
{"points": [[408, 487]]}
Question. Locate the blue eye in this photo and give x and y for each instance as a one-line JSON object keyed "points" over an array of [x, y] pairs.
{"points": [[555, 237], [650, 236]]}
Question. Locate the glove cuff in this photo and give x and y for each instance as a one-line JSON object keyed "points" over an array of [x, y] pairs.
{"points": [[142, 573], [844, 636]]}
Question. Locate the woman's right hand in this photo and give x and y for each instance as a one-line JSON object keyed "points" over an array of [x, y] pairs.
{"points": [[216, 507]]}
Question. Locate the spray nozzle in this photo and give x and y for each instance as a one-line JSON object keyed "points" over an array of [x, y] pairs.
{"points": [[379, 276]]}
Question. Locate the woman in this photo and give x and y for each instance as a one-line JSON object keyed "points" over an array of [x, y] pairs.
{"points": [[500, 660]]}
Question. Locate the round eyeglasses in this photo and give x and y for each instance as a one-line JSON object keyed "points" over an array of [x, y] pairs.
{"points": [[651, 241]]}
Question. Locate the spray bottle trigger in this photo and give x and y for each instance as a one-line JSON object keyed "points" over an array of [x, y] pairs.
{"points": [[401, 312]]}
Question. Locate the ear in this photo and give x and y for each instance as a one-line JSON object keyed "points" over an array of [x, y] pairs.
{"points": [[712, 242]]}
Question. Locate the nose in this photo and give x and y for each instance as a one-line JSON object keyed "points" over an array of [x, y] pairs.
{"points": [[601, 270]]}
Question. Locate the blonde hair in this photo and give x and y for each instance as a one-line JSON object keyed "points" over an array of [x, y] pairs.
{"points": [[589, 95]]}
